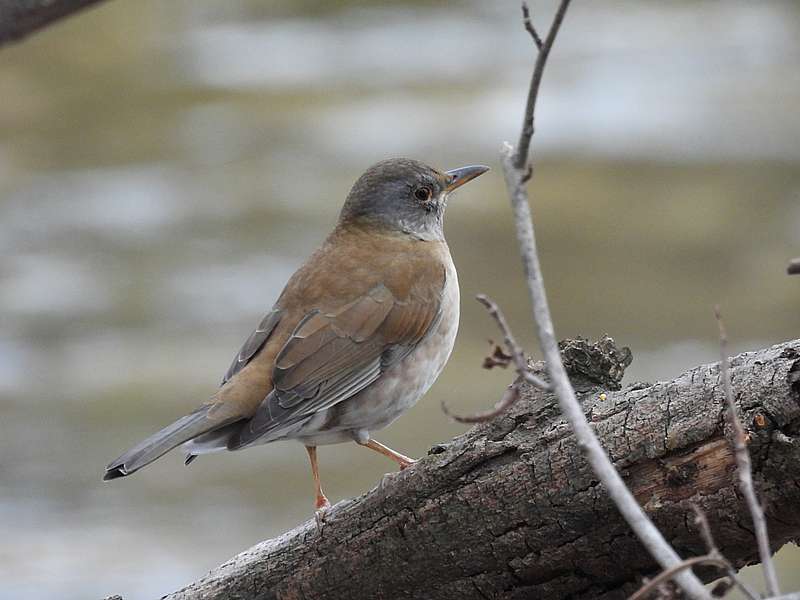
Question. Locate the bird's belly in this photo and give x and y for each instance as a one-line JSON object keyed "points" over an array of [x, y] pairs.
{"points": [[398, 389]]}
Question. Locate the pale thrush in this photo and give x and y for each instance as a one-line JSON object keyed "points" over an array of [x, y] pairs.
{"points": [[360, 332]]}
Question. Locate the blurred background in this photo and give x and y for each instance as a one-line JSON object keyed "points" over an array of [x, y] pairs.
{"points": [[165, 166]]}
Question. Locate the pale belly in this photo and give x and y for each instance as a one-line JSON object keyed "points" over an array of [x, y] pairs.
{"points": [[397, 390]]}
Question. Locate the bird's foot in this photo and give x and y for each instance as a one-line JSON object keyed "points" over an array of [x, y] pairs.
{"points": [[404, 462], [319, 518], [386, 479], [323, 506]]}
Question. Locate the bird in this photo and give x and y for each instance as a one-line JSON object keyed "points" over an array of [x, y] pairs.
{"points": [[359, 334]]}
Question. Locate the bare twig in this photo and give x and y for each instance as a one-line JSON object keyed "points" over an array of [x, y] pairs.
{"points": [[521, 156], [701, 521], [516, 174], [652, 539], [526, 19], [744, 467], [520, 362], [508, 400], [794, 267], [672, 572], [517, 355]]}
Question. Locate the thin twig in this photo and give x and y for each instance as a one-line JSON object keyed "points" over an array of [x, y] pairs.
{"points": [[521, 156], [517, 355], [526, 19], [744, 467], [674, 571], [516, 174], [794, 267], [508, 400], [644, 529], [511, 395], [701, 521]]}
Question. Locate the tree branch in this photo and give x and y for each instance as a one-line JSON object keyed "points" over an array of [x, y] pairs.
{"points": [[520, 159], [518, 512], [744, 466], [526, 20], [516, 175], [511, 394], [19, 18], [701, 520], [517, 355], [507, 400]]}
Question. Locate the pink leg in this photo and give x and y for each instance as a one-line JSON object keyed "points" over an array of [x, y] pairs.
{"points": [[400, 459]]}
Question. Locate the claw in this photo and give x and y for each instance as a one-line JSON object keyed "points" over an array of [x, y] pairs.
{"points": [[319, 514], [406, 462], [386, 478]]}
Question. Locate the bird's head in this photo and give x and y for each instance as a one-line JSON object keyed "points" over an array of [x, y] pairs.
{"points": [[405, 195]]}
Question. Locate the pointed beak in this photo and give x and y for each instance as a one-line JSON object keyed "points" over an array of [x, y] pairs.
{"points": [[460, 176]]}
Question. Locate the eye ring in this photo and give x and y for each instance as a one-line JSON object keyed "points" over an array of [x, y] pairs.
{"points": [[423, 194]]}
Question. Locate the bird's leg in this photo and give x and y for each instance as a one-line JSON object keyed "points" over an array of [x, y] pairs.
{"points": [[322, 503], [400, 459]]}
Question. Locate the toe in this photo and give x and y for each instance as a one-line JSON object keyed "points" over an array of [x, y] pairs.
{"points": [[319, 516], [407, 463]]}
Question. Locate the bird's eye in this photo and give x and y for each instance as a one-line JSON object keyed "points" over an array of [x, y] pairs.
{"points": [[423, 194]]}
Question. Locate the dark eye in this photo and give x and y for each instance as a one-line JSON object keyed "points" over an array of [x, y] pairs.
{"points": [[423, 194]]}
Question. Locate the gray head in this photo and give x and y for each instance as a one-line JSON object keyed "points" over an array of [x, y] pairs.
{"points": [[405, 195]]}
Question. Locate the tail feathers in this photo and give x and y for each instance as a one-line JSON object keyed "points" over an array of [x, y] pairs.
{"points": [[160, 443]]}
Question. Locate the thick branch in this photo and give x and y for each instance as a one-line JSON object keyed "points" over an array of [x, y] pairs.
{"points": [[512, 510], [19, 18]]}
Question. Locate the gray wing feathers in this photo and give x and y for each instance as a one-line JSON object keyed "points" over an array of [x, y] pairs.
{"points": [[253, 344], [274, 418], [200, 422], [162, 442]]}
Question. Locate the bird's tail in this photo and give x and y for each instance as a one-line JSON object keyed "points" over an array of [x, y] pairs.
{"points": [[158, 444]]}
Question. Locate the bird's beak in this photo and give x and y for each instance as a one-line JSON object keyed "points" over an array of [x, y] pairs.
{"points": [[462, 175]]}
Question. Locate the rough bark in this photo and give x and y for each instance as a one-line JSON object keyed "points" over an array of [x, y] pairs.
{"points": [[19, 18], [511, 510]]}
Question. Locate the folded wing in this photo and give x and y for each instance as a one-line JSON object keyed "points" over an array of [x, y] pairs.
{"points": [[331, 356]]}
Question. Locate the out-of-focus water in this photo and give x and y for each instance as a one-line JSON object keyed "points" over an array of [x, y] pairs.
{"points": [[164, 167]]}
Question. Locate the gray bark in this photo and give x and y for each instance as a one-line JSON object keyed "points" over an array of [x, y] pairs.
{"points": [[18, 18], [510, 509]]}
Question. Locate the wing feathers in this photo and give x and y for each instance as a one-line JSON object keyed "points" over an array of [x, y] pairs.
{"points": [[334, 355], [254, 343], [158, 444]]}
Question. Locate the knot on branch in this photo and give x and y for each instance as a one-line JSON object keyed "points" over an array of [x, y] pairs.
{"points": [[601, 363], [793, 376]]}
